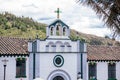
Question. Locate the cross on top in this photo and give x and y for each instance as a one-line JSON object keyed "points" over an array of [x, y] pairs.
{"points": [[58, 13]]}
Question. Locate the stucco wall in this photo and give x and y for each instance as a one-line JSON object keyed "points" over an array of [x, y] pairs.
{"points": [[47, 66], [118, 70], [102, 70]]}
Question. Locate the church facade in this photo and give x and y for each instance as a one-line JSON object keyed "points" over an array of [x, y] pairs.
{"points": [[57, 57]]}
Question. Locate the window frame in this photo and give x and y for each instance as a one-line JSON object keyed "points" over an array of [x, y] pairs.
{"points": [[21, 66], [92, 69], [111, 70]]}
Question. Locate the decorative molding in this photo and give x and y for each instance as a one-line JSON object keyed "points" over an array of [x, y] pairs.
{"points": [[103, 60], [59, 72], [11, 55], [60, 52]]}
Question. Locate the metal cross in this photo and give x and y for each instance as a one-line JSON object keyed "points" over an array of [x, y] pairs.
{"points": [[58, 13]]}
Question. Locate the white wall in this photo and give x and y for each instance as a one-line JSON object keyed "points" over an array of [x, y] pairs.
{"points": [[85, 62], [87, 74], [102, 71], [47, 66], [31, 66], [118, 70], [37, 69], [85, 66], [11, 69]]}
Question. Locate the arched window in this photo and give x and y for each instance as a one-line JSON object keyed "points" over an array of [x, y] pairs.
{"points": [[50, 47], [51, 31], [64, 31], [57, 30]]}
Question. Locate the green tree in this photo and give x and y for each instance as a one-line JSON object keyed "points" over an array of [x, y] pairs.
{"points": [[23, 29], [108, 10]]}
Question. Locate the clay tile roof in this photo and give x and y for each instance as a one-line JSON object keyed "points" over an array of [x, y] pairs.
{"points": [[101, 52], [9, 46], [18, 46]]}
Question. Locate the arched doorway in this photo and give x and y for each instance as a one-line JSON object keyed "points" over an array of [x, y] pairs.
{"points": [[58, 78], [59, 75]]}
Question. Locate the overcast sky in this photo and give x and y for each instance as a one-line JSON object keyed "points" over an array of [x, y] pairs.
{"points": [[78, 17]]}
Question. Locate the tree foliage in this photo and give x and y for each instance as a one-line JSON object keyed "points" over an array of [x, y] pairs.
{"points": [[108, 10], [11, 25]]}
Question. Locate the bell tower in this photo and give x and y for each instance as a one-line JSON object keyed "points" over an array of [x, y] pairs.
{"points": [[57, 57], [58, 29]]}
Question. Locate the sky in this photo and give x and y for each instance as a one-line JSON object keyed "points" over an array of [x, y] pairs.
{"points": [[75, 15]]}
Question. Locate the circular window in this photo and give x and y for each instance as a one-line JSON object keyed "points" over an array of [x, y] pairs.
{"points": [[58, 60]]}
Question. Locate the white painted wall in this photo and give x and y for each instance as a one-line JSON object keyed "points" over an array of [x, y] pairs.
{"points": [[47, 66], [30, 66], [87, 74], [84, 62], [11, 69], [37, 69], [118, 70], [85, 66], [102, 71]]}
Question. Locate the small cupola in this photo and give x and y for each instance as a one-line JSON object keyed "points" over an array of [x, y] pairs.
{"points": [[58, 28]]}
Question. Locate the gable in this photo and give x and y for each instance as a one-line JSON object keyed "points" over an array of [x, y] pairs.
{"points": [[58, 21]]}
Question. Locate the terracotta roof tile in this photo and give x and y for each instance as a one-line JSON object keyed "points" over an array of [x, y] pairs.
{"points": [[13, 45], [101, 52]]}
